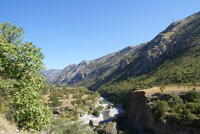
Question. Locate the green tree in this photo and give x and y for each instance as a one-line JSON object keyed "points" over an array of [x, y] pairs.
{"points": [[22, 62], [175, 100], [192, 96], [160, 109]]}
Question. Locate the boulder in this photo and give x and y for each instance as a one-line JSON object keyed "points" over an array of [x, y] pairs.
{"points": [[109, 128]]}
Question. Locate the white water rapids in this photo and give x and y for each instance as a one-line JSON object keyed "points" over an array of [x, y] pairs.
{"points": [[108, 113]]}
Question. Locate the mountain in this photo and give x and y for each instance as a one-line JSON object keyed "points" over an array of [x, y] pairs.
{"points": [[88, 73], [51, 74], [139, 62], [172, 57]]}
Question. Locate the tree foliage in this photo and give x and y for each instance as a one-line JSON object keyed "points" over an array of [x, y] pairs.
{"points": [[183, 110], [160, 109], [21, 62]]}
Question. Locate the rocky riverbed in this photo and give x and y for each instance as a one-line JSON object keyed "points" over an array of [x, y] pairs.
{"points": [[108, 113]]}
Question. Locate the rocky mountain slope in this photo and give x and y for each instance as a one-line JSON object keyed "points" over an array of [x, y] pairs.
{"points": [[178, 37], [165, 60], [135, 61], [51, 74], [88, 73]]}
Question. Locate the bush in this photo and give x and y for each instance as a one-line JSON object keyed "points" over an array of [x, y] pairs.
{"points": [[183, 111], [3, 108], [192, 96], [96, 111], [175, 99], [187, 117], [194, 107], [159, 110], [54, 101], [65, 127]]}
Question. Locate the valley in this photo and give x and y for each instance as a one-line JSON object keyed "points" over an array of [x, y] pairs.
{"points": [[168, 64], [150, 88]]}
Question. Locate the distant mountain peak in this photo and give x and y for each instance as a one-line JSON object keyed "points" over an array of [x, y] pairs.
{"points": [[85, 62]]}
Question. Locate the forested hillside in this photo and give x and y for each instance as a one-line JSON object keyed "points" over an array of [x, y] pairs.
{"points": [[182, 69], [171, 58]]}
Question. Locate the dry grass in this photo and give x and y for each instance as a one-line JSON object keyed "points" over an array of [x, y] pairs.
{"points": [[7, 128], [67, 102], [169, 89]]}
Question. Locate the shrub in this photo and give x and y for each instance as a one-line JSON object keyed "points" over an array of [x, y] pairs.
{"points": [[194, 107], [3, 108], [97, 111], [65, 127], [159, 110], [175, 99], [54, 101], [192, 96], [182, 112], [187, 117]]}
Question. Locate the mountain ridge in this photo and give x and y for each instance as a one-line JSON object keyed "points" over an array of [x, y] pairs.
{"points": [[75, 72], [136, 60], [164, 46]]}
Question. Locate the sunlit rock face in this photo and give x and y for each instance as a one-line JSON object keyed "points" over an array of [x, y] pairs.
{"points": [[89, 72]]}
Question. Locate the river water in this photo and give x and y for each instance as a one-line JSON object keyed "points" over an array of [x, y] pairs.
{"points": [[108, 113]]}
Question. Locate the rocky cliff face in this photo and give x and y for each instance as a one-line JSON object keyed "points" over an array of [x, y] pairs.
{"points": [[138, 110], [51, 74], [139, 114], [89, 72]]}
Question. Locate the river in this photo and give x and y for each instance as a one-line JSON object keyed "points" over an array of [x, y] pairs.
{"points": [[107, 114]]}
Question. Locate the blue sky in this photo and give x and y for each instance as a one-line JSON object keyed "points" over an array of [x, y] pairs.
{"points": [[69, 31]]}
